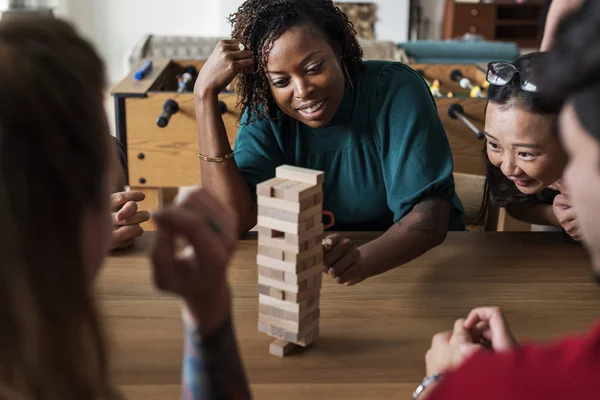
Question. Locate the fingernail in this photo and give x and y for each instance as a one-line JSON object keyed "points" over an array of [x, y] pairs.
{"points": [[464, 348]]}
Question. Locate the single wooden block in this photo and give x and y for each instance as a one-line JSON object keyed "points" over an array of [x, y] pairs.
{"points": [[293, 257], [318, 198], [312, 282], [304, 275], [308, 318], [271, 273], [287, 287], [309, 223], [310, 338], [296, 337], [284, 305], [309, 236], [279, 265], [303, 294], [290, 325], [262, 289], [281, 348], [271, 252], [308, 263], [286, 335], [274, 322], [319, 258], [279, 190], [279, 243], [276, 293], [286, 205], [307, 329], [318, 219], [307, 203], [269, 233], [302, 191], [309, 303], [304, 246], [306, 175], [265, 309], [278, 225], [266, 188], [297, 308], [289, 216], [290, 278]]}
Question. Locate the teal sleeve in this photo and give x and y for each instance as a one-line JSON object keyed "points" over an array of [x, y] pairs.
{"points": [[416, 157], [257, 152]]}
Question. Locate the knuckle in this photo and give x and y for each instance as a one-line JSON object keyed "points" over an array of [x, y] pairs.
{"points": [[145, 216], [118, 197], [118, 235]]}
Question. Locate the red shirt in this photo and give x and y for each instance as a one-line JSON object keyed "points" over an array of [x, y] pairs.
{"points": [[569, 369]]}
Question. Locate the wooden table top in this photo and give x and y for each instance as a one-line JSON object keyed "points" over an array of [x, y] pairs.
{"points": [[374, 335]]}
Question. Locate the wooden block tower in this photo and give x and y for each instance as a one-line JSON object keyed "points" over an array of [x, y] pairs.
{"points": [[290, 256]]}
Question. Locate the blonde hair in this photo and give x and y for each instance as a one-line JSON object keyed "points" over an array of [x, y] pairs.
{"points": [[54, 156]]}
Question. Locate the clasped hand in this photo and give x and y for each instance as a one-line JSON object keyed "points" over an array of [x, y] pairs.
{"points": [[484, 329]]}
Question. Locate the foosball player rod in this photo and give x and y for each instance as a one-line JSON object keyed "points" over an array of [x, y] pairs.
{"points": [[435, 89], [456, 111], [188, 76], [465, 83]]}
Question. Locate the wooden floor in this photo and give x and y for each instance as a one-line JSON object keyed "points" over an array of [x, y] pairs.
{"points": [[373, 336]]}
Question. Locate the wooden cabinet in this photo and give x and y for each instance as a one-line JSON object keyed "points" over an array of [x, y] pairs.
{"points": [[163, 158], [506, 22]]}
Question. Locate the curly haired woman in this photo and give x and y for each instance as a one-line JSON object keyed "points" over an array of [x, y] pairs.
{"points": [[308, 99]]}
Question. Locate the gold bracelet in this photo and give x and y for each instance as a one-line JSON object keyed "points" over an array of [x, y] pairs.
{"points": [[216, 159]]}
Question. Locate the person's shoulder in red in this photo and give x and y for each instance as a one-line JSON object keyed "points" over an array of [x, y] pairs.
{"points": [[568, 369]]}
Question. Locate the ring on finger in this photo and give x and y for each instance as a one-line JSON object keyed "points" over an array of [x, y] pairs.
{"points": [[327, 243], [241, 47]]}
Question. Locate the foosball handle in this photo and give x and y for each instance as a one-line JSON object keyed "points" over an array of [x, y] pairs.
{"points": [[222, 107], [456, 75], [170, 107], [456, 111]]}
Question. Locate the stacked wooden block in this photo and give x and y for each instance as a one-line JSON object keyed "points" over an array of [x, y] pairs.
{"points": [[290, 256]]}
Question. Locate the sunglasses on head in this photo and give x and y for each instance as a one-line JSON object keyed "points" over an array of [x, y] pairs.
{"points": [[501, 73]]}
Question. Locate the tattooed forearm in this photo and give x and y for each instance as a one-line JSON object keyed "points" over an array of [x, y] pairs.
{"points": [[430, 213], [212, 366]]}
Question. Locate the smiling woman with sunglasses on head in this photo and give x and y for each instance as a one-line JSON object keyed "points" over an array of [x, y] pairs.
{"points": [[309, 100], [525, 160]]}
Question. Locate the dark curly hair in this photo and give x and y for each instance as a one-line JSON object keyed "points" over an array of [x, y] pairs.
{"points": [[258, 23]]}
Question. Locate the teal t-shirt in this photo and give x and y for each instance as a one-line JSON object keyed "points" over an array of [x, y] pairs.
{"points": [[382, 153]]}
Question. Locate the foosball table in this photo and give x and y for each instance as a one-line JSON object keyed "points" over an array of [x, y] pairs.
{"points": [[155, 121]]}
